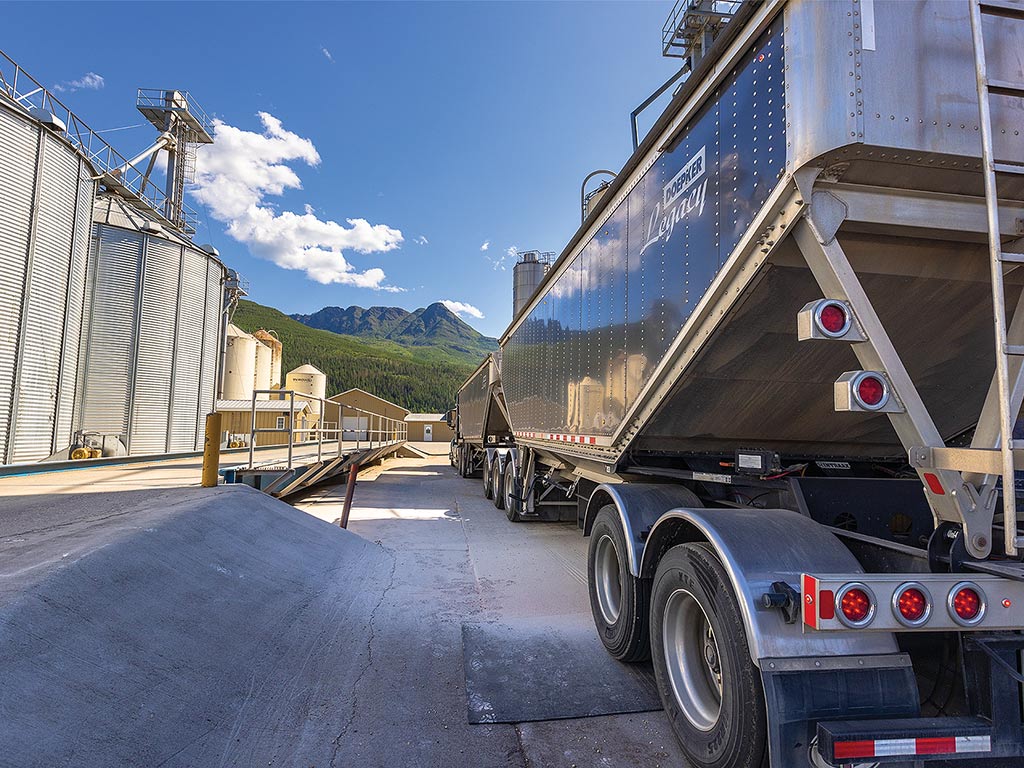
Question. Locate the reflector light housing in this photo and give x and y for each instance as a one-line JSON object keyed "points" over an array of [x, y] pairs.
{"points": [[828, 319], [865, 391], [832, 318], [871, 391], [855, 605], [966, 603], [912, 604]]}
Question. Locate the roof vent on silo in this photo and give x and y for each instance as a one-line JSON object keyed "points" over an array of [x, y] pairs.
{"points": [[207, 248], [152, 228], [47, 118]]}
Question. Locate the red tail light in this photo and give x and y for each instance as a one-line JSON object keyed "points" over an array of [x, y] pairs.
{"points": [[833, 319], [966, 603], [856, 605], [871, 391], [912, 604]]}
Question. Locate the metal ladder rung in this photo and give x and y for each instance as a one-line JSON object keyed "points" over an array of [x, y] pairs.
{"points": [[1011, 258], [1013, 10], [1005, 88], [1013, 349], [1007, 168]]}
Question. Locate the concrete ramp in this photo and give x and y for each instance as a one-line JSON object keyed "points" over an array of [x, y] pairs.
{"points": [[184, 627]]}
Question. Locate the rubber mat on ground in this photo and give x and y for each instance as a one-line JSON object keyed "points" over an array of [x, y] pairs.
{"points": [[548, 668]]}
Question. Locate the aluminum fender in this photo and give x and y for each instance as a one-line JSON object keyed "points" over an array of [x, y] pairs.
{"points": [[640, 506], [761, 546], [501, 455]]}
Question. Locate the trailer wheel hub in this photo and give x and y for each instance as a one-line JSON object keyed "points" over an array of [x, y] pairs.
{"points": [[693, 660], [606, 579]]}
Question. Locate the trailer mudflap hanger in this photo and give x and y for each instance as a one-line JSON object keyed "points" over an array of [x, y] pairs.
{"points": [[897, 741]]}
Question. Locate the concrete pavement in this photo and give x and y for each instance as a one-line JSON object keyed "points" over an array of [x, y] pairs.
{"points": [[459, 559], [220, 627]]}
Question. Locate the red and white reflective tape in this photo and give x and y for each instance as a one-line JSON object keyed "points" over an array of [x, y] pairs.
{"points": [[580, 439], [932, 745]]}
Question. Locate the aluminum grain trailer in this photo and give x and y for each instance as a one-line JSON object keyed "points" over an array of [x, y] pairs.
{"points": [[483, 438], [777, 370]]}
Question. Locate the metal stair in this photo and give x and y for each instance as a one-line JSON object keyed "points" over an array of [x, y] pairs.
{"points": [[992, 167]]}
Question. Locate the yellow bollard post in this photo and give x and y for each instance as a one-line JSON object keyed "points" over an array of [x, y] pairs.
{"points": [[211, 450]]}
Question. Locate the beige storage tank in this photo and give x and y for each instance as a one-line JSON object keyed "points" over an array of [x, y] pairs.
{"points": [[239, 364], [269, 338], [309, 380], [262, 378]]}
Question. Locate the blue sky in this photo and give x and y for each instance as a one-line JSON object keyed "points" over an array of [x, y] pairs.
{"points": [[418, 132]]}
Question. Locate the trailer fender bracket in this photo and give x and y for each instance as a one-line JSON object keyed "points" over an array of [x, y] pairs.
{"points": [[758, 548]]}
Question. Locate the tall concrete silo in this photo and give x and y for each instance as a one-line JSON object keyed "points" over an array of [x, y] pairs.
{"points": [[309, 380], [526, 276], [276, 349], [46, 196], [239, 364], [261, 380]]}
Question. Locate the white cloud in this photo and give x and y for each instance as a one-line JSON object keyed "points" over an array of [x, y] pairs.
{"points": [[461, 308], [326, 53], [90, 81], [498, 261], [241, 168], [421, 240], [486, 245]]}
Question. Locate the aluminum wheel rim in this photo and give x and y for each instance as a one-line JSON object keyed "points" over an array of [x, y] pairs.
{"points": [[693, 660], [606, 579]]}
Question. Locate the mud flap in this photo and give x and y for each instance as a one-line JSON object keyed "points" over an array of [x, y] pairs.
{"points": [[800, 692]]}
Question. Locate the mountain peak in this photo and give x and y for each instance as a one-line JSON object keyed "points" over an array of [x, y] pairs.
{"points": [[433, 325]]}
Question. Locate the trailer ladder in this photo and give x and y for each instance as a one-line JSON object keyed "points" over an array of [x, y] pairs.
{"points": [[991, 167]]}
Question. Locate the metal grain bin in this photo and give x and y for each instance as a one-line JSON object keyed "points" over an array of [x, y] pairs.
{"points": [[154, 332], [46, 195]]}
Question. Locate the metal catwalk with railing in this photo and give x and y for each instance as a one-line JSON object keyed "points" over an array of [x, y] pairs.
{"points": [[326, 449]]}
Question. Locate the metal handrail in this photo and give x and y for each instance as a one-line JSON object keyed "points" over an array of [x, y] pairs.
{"points": [[388, 430], [26, 92]]}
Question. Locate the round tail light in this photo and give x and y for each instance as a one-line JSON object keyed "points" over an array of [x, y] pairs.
{"points": [[911, 604], [833, 318], [871, 390], [966, 603], [855, 605]]}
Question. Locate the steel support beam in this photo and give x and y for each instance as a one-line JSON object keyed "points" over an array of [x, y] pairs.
{"points": [[815, 236]]}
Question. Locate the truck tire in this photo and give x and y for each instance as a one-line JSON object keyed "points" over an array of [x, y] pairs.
{"points": [[508, 490], [488, 488], [462, 461], [497, 484], [619, 601], [710, 688]]}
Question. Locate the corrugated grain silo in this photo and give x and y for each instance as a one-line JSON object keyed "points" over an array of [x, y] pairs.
{"points": [[156, 307], [46, 196]]}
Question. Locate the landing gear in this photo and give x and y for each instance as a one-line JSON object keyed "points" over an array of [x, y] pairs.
{"points": [[619, 601], [710, 687]]}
